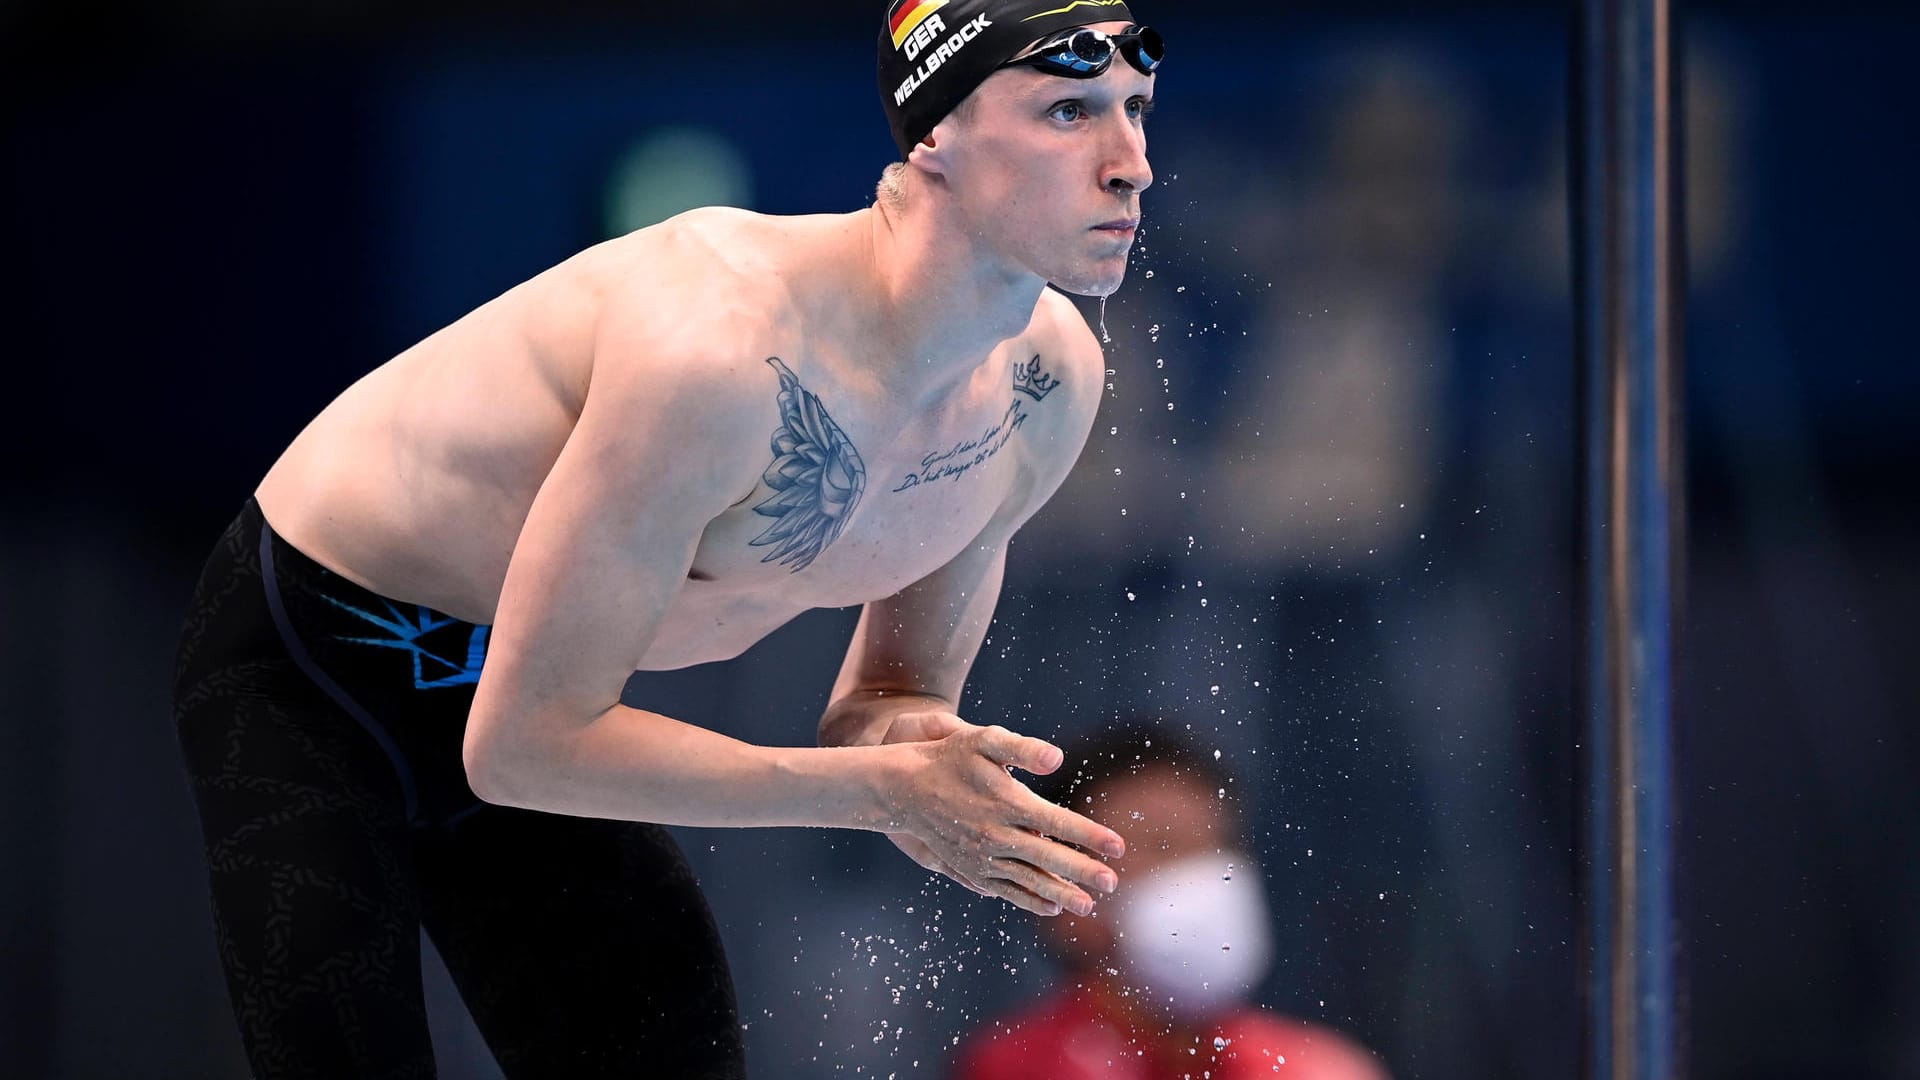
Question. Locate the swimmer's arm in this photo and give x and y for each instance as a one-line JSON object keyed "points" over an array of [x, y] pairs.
{"points": [[665, 442], [608, 541], [910, 655], [908, 662]]}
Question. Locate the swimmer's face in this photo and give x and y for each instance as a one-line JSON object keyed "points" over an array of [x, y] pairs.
{"points": [[1050, 169]]}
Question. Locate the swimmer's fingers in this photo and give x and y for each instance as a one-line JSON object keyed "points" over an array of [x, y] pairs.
{"points": [[1009, 878], [1021, 885], [1050, 819], [1036, 756], [1065, 864], [961, 880], [1019, 896], [1039, 885], [968, 811]]}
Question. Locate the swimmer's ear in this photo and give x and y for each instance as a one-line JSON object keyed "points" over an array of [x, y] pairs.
{"points": [[930, 153]]}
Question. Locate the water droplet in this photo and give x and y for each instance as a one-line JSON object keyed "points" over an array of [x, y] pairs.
{"points": [[1219, 1043]]}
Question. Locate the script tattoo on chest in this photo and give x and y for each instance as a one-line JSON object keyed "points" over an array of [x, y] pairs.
{"points": [[965, 454], [955, 462], [817, 478]]}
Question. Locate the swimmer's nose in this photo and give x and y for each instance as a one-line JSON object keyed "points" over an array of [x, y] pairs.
{"points": [[1126, 170]]}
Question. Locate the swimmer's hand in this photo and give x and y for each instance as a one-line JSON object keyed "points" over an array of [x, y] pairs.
{"points": [[961, 813]]}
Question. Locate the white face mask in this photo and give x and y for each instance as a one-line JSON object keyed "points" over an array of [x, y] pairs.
{"points": [[1194, 933]]}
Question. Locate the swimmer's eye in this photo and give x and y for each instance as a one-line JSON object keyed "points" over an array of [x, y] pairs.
{"points": [[1139, 108], [1073, 110]]}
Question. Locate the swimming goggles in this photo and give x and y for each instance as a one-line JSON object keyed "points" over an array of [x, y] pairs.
{"points": [[1086, 53]]}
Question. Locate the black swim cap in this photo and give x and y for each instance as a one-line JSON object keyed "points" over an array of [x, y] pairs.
{"points": [[933, 53]]}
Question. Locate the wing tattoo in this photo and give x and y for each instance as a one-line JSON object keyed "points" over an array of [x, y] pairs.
{"points": [[817, 478]]}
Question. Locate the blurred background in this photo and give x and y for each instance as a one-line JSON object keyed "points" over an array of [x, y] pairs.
{"points": [[1325, 524]]}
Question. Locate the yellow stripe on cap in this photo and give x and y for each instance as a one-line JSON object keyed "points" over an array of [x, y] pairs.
{"points": [[1070, 7]]}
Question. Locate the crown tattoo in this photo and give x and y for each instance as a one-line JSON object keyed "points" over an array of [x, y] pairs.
{"points": [[1031, 381]]}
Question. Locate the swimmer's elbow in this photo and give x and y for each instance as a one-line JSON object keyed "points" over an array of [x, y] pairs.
{"points": [[484, 776], [498, 774], [523, 758]]}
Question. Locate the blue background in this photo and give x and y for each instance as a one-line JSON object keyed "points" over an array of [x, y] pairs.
{"points": [[1358, 308]]}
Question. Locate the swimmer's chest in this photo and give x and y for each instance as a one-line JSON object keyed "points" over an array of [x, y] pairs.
{"points": [[833, 523]]}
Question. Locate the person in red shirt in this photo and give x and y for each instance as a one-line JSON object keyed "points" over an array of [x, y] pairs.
{"points": [[1156, 982]]}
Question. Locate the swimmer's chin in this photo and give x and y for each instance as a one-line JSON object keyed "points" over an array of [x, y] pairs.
{"points": [[1099, 288]]}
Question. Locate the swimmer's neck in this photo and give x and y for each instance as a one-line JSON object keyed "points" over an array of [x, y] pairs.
{"points": [[945, 301]]}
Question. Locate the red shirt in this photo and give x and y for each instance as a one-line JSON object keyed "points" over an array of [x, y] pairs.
{"points": [[1069, 1037]]}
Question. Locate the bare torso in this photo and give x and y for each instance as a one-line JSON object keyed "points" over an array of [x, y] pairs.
{"points": [[416, 481]]}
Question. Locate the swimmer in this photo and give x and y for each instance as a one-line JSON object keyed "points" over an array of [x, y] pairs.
{"points": [[398, 687]]}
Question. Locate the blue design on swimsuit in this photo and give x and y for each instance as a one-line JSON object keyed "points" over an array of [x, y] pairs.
{"points": [[412, 634]]}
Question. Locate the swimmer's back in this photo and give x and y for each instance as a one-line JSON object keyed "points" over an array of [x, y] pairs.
{"points": [[416, 480]]}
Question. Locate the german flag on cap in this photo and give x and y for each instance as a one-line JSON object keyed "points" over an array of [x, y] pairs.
{"points": [[907, 14]]}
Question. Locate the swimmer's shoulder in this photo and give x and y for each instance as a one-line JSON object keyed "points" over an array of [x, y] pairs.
{"points": [[1072, 366], [745, 241], [684, 314], [705, 277], [701, 250], [1058, 393]]}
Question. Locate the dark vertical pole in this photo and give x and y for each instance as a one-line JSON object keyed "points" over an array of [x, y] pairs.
{"points": [[1627, 275]]}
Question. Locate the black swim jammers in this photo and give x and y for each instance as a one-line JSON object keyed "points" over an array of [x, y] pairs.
{"points": [[321, 727]]}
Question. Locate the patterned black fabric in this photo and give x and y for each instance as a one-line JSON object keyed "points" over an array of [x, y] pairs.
{"points": [[583, 947]]}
